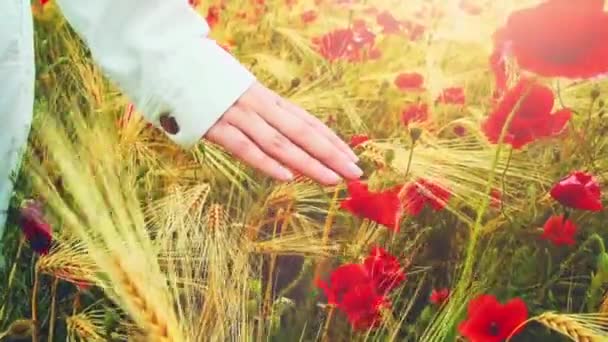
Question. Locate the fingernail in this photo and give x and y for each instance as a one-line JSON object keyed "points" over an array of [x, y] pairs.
{"points": [[332, 177], [354, 170], [286, 175]]}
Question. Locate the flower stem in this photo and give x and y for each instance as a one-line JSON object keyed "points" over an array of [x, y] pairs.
{"points": [[53, 309], [330, 315], [11, 277], [35, 306]]}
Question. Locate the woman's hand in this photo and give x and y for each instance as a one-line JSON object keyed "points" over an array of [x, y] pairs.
{"points": [[273, 135]]}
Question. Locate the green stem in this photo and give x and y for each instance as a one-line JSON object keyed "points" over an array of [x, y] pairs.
{"points": [[35, 306], [11, 277], [53, 309], [409, 160], [566, 264]]}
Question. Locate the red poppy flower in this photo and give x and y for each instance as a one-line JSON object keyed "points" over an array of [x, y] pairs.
{"points": [[381, 207], [362, 36], [335, 44], [533, 118], [414, 31], [309, 16], [438, 297], [389, 24], [409, 81], [425, 193], [495, 198], [490, 321], [362, 305], [415, 113], [342, 280], [559, 231], [453, 95], [384, 270], [558, 38], [358, 139], [579, 190], [352, 44], [35, 228], [213, 16]]}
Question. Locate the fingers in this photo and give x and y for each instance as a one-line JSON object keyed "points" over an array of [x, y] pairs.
{"points": [[301, 133], [318, 124], [278, 146], [239, 145]]}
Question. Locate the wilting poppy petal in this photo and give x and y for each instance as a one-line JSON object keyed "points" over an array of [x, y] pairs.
{"points": [[579, 190]]}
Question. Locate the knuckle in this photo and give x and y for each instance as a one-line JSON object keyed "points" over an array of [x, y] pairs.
{"points": [[241, 146], [277, 141], [303, 130]]}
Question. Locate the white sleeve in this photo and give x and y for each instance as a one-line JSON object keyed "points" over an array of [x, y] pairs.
{"points": [[158, 53]]}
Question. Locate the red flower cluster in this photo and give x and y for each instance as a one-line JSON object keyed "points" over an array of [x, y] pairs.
{"points": [[425, 193], [532, 120], [381, 207], [560, 231], [36, 229], [579, 190], [409, 81], [360, 290], [558, 38], [352, 44], [490, 321]]}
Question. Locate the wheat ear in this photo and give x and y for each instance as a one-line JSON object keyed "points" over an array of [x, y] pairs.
{"points": [[569, 326], [157, 328]]}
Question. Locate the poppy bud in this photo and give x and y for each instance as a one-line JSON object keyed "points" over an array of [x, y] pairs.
{"points": [[20, 329], [295, 82], [601, 103], [602, 264], [415, 134], [595, 93]]}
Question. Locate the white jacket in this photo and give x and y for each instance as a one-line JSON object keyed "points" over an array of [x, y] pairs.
{"points": [[158, 52]]}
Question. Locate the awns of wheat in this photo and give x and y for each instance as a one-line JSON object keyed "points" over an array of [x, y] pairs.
{"points": [[101, 209], [578, 327]]}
